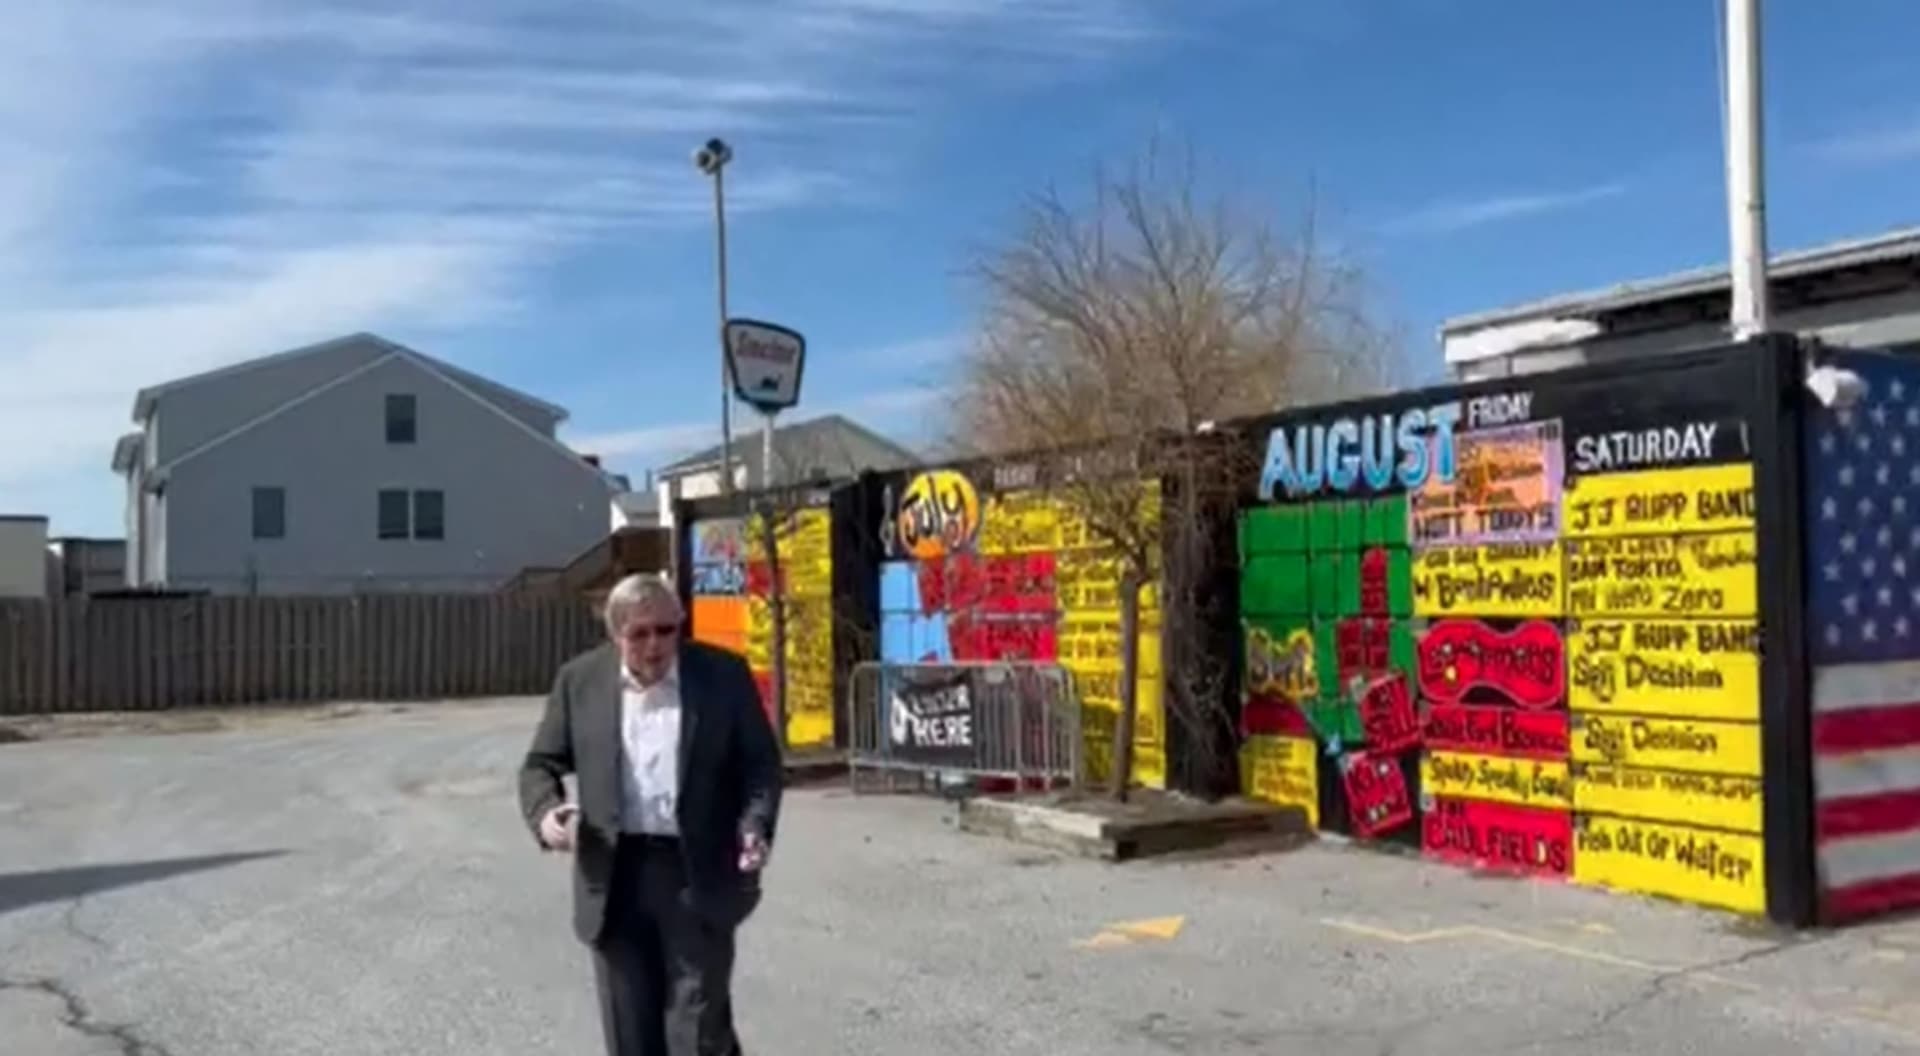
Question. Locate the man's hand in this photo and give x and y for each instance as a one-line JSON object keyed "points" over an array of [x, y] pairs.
{"points": [[753, 852], [559, 829]]}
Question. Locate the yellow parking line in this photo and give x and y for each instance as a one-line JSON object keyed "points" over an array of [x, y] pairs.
{"points": [[1497, 935], [1900, 1017]]}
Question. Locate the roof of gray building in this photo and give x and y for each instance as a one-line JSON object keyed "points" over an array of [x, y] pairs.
{"points": [[143, 400], [1835, 256], [832, 445]]}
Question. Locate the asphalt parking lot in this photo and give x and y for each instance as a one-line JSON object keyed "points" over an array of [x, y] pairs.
{"points": [[361, 884]]}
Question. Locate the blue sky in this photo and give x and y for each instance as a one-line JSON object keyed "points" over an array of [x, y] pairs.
{"points": [[188, 183]]}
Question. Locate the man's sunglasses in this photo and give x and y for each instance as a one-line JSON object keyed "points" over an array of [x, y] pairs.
{"points": [[641, 632]]}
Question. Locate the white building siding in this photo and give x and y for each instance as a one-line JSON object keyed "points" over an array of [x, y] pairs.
{"points": [[511, 499], [23, 557]]}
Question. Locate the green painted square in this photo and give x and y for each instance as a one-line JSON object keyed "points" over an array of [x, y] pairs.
{"points": [[1274, 529], [1323, 532], [1400, 582], [1333, 719], [1373, 524], [1278, 627], [1352, 524], [1400, 648], [1325, 571], [1275, 584], [1388, 520], [1326, 658]]}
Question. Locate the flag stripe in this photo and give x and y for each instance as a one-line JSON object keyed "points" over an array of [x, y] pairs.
{"points": [[1865, 773], [1844, 687], [1875, 815], [1866, 729], [1867, 858], [1872, 897]]}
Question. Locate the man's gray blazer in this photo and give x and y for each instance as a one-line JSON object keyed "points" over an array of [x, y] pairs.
{"points": [[730, 777]]}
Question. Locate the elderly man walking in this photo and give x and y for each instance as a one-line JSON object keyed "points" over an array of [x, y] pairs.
{"points": [[679, 778]]}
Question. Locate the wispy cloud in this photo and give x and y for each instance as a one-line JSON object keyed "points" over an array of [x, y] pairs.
{"points": [[898, 411], [1454, 215], [1877, 146], [184, 183]]}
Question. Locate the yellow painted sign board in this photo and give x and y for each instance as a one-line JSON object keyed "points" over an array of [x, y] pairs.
{"points": [[1664, 576], [1701, 669], [1283, 771], [1711, 868], [1693, 745], [1521, 782], [1667, 795], [1023, 522], [1656, 501], [1496, 579]]}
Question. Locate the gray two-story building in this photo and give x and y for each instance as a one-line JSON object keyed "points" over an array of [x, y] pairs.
{"points": [[353, 464]]}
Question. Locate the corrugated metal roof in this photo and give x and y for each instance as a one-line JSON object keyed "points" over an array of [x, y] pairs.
{"points": [[1895, 245]]}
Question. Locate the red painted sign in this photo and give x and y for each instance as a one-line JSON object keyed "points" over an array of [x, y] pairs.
{"points": [[1270, 713], [1499, 836], [1377, 800], [1011, 583], [1373, 582], [1362, 648], [1483, 730], [1388, 717], [982, 636], [760, 579], [997, 608], [1527, 665]]}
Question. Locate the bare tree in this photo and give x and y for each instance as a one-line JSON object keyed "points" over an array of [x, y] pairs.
{"points": [[1130, 329]]}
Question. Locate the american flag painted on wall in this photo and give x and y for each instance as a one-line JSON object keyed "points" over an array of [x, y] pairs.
{"points": [[1863, 548]]}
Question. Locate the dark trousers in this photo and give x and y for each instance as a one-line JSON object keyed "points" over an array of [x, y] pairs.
{"points": [[664, 972]]}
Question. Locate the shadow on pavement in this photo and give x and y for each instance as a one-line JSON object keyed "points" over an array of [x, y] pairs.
{"points": [[20, 890]]}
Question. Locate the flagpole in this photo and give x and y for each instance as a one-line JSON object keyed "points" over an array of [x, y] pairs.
{"points": [[1746, 177]]}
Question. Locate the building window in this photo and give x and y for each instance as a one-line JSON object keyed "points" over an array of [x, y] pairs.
{"points": [[269, 513], [429, 515], [418, 514], [402, 418], [395, 522]]}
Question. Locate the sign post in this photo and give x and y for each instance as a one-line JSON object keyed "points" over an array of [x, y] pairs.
{"points": [[765, 362]]}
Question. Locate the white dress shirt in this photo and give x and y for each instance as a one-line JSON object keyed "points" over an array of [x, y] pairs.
{"points": [[650, 739]]}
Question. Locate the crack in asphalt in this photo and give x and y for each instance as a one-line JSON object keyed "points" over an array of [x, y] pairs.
{"points": [[70, 921], [1656, 987], [76, 1016]]}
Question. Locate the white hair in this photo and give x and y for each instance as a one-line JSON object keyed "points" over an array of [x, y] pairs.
{"points": [[636, 591]]}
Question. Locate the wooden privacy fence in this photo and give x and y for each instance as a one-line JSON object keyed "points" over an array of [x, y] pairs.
{"points": [[146, 653]]}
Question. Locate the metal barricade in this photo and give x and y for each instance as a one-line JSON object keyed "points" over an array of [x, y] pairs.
{"points": [[1017, 721]]}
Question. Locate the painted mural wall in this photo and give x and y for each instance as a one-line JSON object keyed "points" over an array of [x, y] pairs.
{"points": [[732, 584], [1014, 574], [1517, 631], [1862, 473]]}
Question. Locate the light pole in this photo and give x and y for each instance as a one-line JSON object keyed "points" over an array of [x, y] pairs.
{"points": [[712, 158], [1746, 199]]}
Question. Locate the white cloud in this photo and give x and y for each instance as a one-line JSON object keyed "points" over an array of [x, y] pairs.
{"points": [[1449, 216], [185, 183]]}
